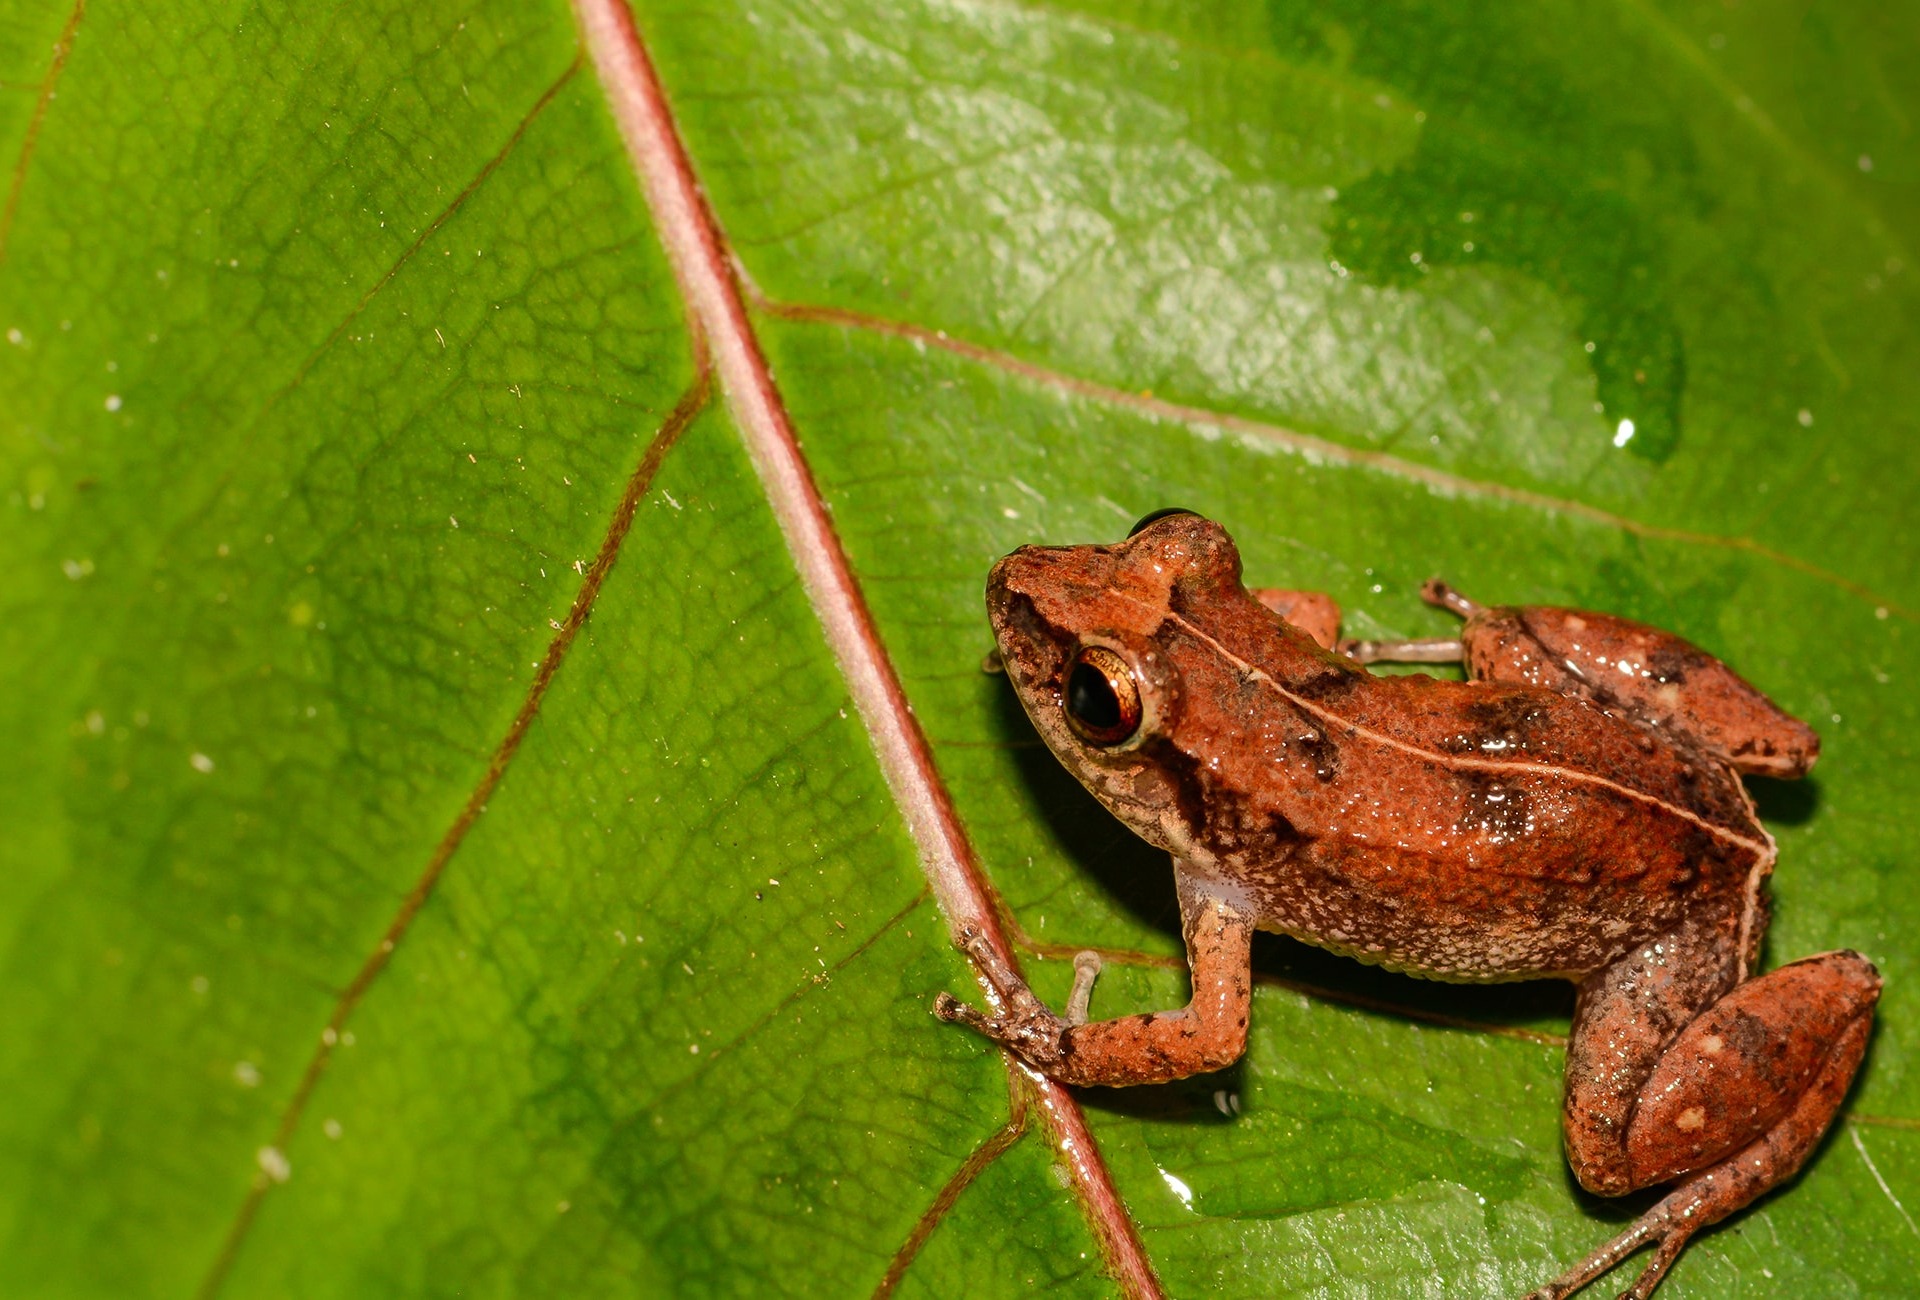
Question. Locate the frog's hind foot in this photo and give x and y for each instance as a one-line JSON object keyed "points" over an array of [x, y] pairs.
{"points": [[1608, 1256]]}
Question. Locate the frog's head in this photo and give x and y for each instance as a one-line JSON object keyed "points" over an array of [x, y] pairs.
{"points": [[1084, 636]]}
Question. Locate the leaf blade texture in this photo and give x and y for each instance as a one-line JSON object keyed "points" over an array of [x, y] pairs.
{"points": [[340, 346]]}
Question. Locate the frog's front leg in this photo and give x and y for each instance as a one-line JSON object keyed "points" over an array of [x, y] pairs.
{"points": [[1208, 1033], [1678, 1071]]}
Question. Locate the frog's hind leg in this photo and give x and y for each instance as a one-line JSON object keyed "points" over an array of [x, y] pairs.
{"points": [[1679, 1070]]}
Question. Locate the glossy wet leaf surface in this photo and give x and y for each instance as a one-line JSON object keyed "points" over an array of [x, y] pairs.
{"points": [[333, 342]]}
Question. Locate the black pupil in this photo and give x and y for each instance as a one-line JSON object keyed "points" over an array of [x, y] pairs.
{"points": [[1091, 699]]}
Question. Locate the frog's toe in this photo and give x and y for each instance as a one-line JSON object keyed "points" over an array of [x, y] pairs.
{"points": [[1667, 1243], [955, 1012], [1441, 595], [975, 943]]}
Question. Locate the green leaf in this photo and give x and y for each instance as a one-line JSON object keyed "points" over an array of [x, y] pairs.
{"points": [[340, 350]]}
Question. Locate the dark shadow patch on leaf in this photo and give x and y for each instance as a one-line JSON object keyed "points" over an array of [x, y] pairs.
{"points": [[1224, 1136], [1469, 201], [1190, 1101], [1120, 863], [1785, 803], [1522, 1005]]}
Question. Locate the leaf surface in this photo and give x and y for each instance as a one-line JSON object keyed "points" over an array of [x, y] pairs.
{"points": [[386, 568]]}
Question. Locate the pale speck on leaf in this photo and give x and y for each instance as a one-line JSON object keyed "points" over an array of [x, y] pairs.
{"points": [[274, 1164]]}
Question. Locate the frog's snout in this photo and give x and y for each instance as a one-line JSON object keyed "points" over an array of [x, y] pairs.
{"points": [[1019, 570], [1021, 580]]}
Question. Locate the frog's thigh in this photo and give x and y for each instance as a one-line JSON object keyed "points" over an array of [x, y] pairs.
{"points": [[1747, 1062], [1208, 1033], [1645, 671], [1313, 612], [1623, 1019]]}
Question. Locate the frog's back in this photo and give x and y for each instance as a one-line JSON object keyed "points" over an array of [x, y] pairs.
{"points": [[1467, 830], [1533, 833]]}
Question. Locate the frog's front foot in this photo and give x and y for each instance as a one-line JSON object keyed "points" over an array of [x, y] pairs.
{"points": [[1034, 1038], [1026, 1026], [1209, 1033]]}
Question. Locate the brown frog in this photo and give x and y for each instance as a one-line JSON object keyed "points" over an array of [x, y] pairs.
{"points": [[1573, 810]]}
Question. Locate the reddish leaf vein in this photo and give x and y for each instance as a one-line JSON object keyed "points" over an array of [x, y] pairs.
{"points": [[978, 1161], [445, 215], [702, 268]]}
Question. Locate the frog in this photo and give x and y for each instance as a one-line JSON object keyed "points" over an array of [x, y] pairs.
{"points": [[1570, 806]]}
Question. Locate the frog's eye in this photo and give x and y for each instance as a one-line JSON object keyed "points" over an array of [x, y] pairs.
{"points": [[1103, 704], [1156, 517]]}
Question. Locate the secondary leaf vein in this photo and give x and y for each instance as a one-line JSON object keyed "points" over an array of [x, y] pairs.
{"points": [[1307, 444], [691, 403], [62, 49]]}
